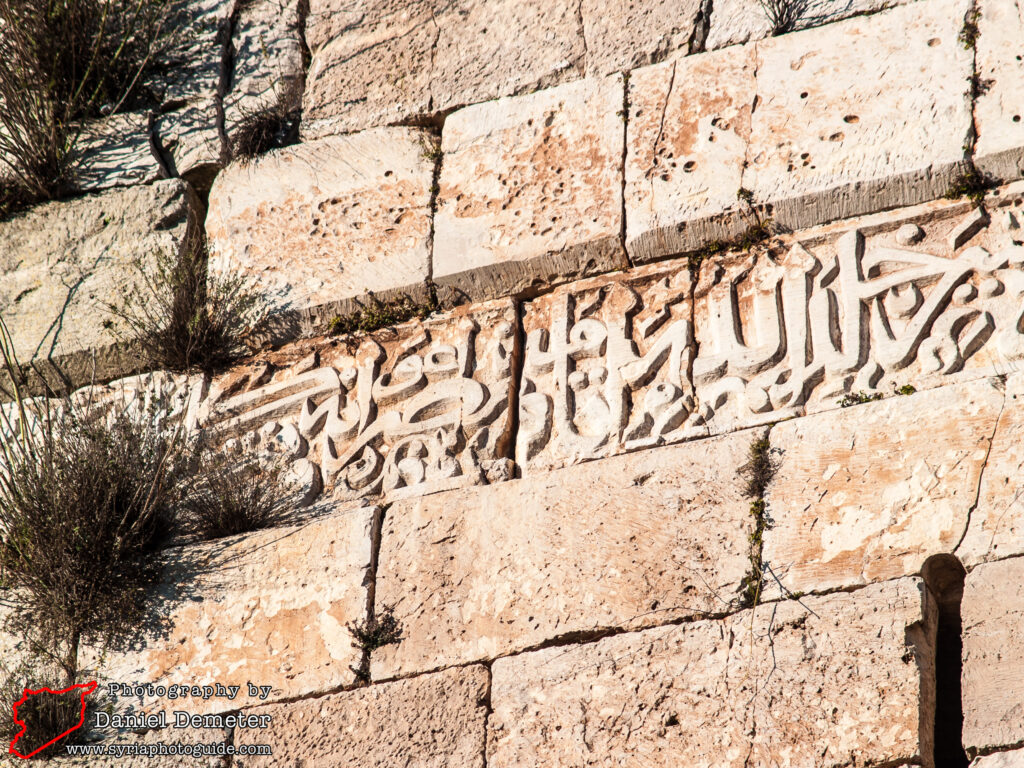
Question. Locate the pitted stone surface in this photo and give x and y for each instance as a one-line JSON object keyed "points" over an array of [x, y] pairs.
{"points": [[993, 678], [64, 262], [269, 607], [382, 62], [999, 105], [431, 721], [418, 408], [839, 128], [531, 190], [783, 686], [622, 34], [689, 125], [325, 220], [737, 21], [631, 541], [997, 522], [870, 492]]}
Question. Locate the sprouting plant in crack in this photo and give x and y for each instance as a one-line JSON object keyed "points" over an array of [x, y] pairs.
{"points": [[382, 628], [783, 15], [756, 474], [970, 32]]}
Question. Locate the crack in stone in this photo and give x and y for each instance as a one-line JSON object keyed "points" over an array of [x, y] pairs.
{"points": [[981, 474]]}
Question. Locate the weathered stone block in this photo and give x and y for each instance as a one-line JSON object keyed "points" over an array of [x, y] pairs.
{"points": [[630, 541], [737, 21], [782, 686], [382, 62], [623, 34], [268, 608], [191, 142], [999, 107], [321, 221], [916, 299], [531, 190], [838, 128], [1014, 759], [605, 368], [433, 721], [115, 152], [869, 492], [997, 521], [689, 125], [993, 635], [64, 262], [416, 409]]}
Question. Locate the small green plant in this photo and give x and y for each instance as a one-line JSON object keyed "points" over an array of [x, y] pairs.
{"points": [[45, 716], [857, 398], [758, 231], [377, 314], [744, 195], [783, 15], [382, 628], [970, 31], [182, 318], [970, 184], [270, 126], [65, 62], [430, 149], [906, 389], [756, 474]]}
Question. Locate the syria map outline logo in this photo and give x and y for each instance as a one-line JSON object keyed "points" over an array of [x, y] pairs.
{"points": [[86, 689]]}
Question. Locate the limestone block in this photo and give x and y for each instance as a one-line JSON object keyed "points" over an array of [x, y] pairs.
{"points": [[869, 492], [689, 124], [993, 677], [503, 47], [997, 522], [531, 190], [420, 408], [64, 262], [1014, 759], [115, 152], [630, 541], [325, 220], [190, 140], [371, 63], [605, 368], [783, 686], [999, 105], [386, 61], [838, 130], [269, 608], [916, 298], [432, 721], [623, 34], [187, 65], [737, 21]]}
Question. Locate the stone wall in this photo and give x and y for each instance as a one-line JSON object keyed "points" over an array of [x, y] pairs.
{"points": [[659, 234]]}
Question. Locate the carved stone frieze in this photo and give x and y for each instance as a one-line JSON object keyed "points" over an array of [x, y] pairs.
{"points": [[415, 409]]}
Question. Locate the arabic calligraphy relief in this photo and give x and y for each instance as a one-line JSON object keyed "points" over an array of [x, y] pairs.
{"points": [[620, 363], [420, 409]]}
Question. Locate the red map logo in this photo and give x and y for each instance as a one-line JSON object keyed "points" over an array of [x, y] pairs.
{"points": [[85, 688]]}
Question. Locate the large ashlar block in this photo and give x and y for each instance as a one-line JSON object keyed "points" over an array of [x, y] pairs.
{"points": [[631, 541], [929, 295], [689, 125], [385, 61], [268, 608], [420, 408], [993, 676], [737, 21], [785, 686], [63, 263], [997, 521], [431, 721], [623, 34], [331, 219], [870, 492], [999, 105], [531, 190], [605, 368], [838, 129]]}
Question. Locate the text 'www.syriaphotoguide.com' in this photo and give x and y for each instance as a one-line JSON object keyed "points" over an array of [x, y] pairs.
{"points": [[160, 750]]}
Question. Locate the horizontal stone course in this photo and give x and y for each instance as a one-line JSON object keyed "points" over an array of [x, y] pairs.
{"points": [[993, 643], [433, 721], [627, 542], [998, 108], [870, 492], [830, 681]]}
